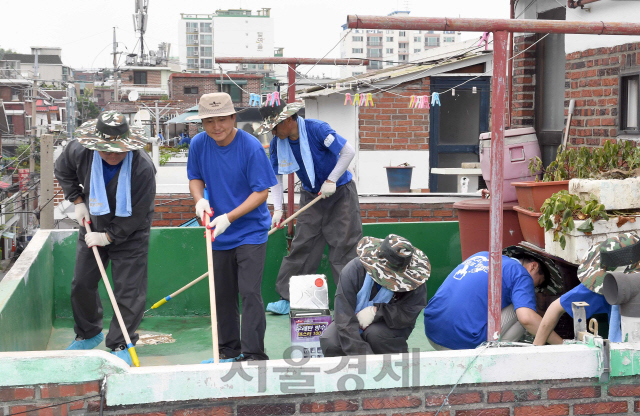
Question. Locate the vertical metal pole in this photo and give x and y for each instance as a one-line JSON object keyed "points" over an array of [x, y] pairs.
{"points": [[510, 70], [498, 90], [46, 182], [291, 97], [115, 67], [34, 114]]}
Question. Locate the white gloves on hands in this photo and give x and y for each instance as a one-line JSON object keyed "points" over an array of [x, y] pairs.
{"points": [[365, 316], [82, 214], [96, 239], [327, 189], [277, 218], [221, 223], [203, 206]]}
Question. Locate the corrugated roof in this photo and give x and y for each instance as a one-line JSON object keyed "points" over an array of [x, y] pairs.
{"points": [[30, 59]]}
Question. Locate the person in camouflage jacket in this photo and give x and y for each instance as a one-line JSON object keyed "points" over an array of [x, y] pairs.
{"points": [[380, 295]]}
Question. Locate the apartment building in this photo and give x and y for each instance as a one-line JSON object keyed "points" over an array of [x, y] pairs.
{"points": [[385, 48], [233, 32]]}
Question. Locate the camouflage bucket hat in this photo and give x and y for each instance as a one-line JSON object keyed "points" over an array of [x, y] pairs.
{"points": [[394, 263], [274, 115], [593, 269], [554, 285], [110, 132]]}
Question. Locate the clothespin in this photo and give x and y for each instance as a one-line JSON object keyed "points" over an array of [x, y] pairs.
{"points": [[363, 100], [413, 99], [254, 100], [369, 100], [435, 99], [426, 101], [347, 97], [356, 99], [275, 97], [485, 39], [266, 103]]}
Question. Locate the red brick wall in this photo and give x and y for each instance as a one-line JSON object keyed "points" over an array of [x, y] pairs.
{"points": [[592, 81], [58, 197], [555, 397], [154, 78], [391, 124], [175, 209], [523, 82], [207, 84]]}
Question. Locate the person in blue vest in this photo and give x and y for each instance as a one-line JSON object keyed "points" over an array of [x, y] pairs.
{"points": [[237, 174], [320, 157], [379, 297], [456, 316], [591, 274]]}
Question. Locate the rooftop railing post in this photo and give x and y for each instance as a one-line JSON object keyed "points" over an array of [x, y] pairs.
{"points": [[291, 98]]}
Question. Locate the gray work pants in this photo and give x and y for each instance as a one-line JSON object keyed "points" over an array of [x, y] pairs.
{"points": [[335, 221], [239, 270], [129, 277], [381, 338]]}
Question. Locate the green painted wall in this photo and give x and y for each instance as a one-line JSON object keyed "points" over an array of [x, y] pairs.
{"points": [[177, 256], [26, 300]]}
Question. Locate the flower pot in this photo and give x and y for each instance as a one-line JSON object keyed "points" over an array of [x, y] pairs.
{"points": [[399, 178], [578, 243], [531, 230], [531, 195], [614, 194]]}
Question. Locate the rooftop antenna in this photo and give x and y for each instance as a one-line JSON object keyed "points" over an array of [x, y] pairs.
{"points": [[140, 19]]}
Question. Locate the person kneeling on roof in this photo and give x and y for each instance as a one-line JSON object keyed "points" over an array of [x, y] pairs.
{"points": [[456, 317], [379, 297], [591, 275]]}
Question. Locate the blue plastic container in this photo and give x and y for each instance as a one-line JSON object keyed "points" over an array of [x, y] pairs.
{"points": [[399, 178]]}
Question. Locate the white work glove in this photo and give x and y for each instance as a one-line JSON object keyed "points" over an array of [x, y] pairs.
{"points": [[327, 189], [96, 239], [203, 206], [365, 316], [276, 219], [221, 223], [82, 214]]}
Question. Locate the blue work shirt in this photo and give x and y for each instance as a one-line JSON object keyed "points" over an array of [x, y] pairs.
{"points": [[325, 152], [109, 171], [597, 303], [456, 316], [231, 173]]}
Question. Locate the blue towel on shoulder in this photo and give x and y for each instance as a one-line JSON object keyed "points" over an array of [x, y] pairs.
{"points": [[287, 161], [98, 202], [384, 295]]}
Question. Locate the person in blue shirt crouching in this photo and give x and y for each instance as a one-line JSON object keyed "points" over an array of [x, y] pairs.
{"points": [[456, 316]]}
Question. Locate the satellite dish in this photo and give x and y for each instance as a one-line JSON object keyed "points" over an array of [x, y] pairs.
{"points": [[142, 117], [133, 95]]}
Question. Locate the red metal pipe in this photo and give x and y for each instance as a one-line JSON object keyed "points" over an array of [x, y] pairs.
{"points": [[291, 61], [291, 97], [492, 25], [498, 91], [512, 14]]}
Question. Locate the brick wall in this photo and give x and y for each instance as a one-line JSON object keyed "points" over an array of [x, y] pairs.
{"points": [[591, 79], [549, 398], [59, 197], [523, 82], [154, 78], [207, 84], [391, 124], [175, 209]]}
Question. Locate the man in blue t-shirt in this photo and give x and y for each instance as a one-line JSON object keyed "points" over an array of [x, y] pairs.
{"points": [[233, 166], [320, 157], [456, 316]]}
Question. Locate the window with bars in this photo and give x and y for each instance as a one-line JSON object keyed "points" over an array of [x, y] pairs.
{"points": [[190, 90], [629, 103]]}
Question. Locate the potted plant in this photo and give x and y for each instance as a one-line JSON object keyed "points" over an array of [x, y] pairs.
{"points": [[399, 177]]}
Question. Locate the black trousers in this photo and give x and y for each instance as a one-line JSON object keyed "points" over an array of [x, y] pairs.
{"points": [[239, 270], [381, 338], [335, 221], [129, 276]]}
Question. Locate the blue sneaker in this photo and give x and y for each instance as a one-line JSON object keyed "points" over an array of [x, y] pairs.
{"points": [[280, 307], [86, 344], [124, 355], [224, 360]]}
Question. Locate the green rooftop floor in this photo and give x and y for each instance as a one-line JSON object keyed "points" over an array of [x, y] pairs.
{"points": [[193, 338]]}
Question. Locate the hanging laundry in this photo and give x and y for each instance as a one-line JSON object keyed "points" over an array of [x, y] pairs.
{"points": [[369, 100], [347, 97], [435, 99], [356, 99]]}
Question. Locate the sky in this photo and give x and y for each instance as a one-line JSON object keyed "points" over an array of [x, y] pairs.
{"points": [[305, 28]]}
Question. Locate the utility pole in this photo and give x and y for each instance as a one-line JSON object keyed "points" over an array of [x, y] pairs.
{"points": [[34, 113], [46, 182], [71, 110], [115, 66]]}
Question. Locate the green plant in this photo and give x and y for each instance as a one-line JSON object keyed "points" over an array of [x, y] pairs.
{"points": [[618, 160], [561, 209], [167, 153]]}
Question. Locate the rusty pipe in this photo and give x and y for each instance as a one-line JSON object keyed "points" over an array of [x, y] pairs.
{"points": [[492, 25], [291, 61]]}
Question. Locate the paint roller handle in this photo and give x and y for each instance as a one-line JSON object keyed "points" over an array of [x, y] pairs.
{"points": [[177, 292], [114, 304], [293, 217]]}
